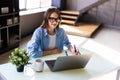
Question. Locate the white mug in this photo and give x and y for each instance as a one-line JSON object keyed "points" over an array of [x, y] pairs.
{"points": [[38, 65]]}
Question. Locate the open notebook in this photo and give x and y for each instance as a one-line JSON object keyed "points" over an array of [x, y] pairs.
{"points": [[112, 75]]}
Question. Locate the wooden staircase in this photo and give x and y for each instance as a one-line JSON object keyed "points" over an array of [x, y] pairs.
{"points": [[71, 24], [69, 17]]}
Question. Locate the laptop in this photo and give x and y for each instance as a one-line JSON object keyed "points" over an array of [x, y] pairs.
{"points": [[68, 62]]}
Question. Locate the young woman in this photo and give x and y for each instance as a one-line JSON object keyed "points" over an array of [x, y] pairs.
{"points": [[49, 38]]}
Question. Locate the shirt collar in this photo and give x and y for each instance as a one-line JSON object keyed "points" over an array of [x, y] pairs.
{"points": [[46, 34]]}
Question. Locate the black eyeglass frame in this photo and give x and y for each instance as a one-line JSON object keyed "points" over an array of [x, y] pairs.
{"points": [[52, 19]]}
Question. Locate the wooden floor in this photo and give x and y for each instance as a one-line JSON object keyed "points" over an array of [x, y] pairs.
{"points": [[84, 29]]}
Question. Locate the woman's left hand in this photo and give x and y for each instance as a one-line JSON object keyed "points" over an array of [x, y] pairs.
{"points": [[75, 52]]}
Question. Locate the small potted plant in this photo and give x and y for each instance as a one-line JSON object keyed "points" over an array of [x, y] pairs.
{"points": [[19, 58]]}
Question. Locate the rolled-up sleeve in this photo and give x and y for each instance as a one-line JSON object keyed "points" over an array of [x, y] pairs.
{"points": [[34, 45]]}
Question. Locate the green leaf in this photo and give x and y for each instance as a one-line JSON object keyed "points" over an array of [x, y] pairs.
{"points": [[19, 57]]}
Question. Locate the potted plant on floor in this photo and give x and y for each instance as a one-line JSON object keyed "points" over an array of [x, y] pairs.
{"points": [[19, 58]]}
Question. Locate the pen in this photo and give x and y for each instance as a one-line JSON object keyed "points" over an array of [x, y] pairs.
{"points": [[66, 53], [75, 50]]}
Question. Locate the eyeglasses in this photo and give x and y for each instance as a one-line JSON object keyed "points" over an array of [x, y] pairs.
{"points": [[52, 19]]}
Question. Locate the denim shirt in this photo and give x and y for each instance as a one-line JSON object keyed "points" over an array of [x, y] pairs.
{"points": [[40, 41]]}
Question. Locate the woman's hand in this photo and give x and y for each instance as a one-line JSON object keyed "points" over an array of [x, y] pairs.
{"points": [[57, 51], [74, 51], [52, 51]]}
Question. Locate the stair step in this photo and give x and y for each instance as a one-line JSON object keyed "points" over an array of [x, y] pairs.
{"points": [[69, 16], [72, 12], [68, 22], [84, 29]]}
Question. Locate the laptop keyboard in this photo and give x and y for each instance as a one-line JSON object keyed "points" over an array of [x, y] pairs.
{"points": [[50, 63]]}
